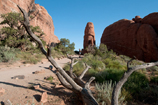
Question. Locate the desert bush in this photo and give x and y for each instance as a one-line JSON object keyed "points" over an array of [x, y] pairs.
{"points": [[114, 64], [104, 93], [65, 46], [8, 54], [135, 83], [77, 69], [13, 33], [154, 79], [32, 57]]}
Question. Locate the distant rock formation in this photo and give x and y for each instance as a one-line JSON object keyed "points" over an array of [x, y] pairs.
{"points": [[137, 37], [42, 19], [89, 36]]}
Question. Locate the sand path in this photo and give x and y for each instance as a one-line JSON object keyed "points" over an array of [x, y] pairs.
{"points": [[17, 90]]}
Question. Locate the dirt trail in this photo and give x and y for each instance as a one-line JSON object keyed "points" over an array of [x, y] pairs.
{"points": [[18, 92]]}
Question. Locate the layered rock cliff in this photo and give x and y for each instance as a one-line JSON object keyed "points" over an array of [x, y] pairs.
{"points": [[137, 37], [42, 19], [89, 36]]}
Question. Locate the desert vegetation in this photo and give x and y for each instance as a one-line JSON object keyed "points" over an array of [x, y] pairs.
{"points": [[105, 66], [108, 68], [119, 79], [16, 44]]}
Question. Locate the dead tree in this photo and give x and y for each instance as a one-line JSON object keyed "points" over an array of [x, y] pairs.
{"points": [[71, 82], [130, 70]]}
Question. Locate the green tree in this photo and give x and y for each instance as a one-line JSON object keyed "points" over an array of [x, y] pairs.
{"points": [[65, 47], [65, 42], [13, 33]]}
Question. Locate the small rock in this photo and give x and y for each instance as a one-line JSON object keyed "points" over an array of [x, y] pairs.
{"points": [[27, 65], [44, 97], [19, 77], [38, 72], [2, 91], [7, 102], [36, 86], [50, 67]]}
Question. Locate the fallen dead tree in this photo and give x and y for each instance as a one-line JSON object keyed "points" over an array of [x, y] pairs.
{"points": [[71, 82]]}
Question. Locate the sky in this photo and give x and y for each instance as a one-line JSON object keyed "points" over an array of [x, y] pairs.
{"points": [[71, 16]]}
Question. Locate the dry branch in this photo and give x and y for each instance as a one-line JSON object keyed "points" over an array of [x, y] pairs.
{"points": [[124, 78], [65, 79]]}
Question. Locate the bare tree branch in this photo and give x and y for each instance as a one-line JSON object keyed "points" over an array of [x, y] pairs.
{"points": [[89, 82], [50, 58], [120, 83], [129, 63], [74, 63], [64, 78], [63, 81], [84, 72]]}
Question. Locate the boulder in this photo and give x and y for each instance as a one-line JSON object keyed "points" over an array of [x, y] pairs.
{"points": [[89, 36], [42, 19], [137, 37]]}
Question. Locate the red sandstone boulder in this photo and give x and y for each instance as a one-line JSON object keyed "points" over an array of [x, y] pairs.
{"points": [[43, 19], [89, 36], [137, 37]]}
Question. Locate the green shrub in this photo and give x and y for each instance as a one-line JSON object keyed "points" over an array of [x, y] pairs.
{"points": [[8, 54], [104, 93], [31, 56], [77, 69], [135, 83], [154, 79], [109, 74]]}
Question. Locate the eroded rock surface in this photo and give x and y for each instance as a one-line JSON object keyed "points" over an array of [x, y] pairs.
{"points": [[42, 19], [137, 37], [89, 36]]}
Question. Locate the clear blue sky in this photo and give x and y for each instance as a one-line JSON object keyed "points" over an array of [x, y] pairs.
{"points": [[71, 16]]}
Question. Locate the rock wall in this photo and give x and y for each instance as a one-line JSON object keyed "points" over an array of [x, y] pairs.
{"points": [[42, 19], [89, 36], [137, 37]]}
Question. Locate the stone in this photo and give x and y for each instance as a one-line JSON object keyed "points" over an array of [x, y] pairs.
{"points": [[137, 37], [19, 77], [7, 102], [89, 36], [38, 72], [42, 19], [2, 91], [44, 97], [50, 67], [36, 86]]}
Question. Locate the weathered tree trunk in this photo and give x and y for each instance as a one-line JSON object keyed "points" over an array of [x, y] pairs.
{"points": [[67, 81]]}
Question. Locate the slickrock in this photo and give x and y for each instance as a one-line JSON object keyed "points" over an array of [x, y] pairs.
{"points": [[137, 37]]}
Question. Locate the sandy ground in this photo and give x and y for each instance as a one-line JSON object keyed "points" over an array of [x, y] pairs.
{"points": [[18, 91]]}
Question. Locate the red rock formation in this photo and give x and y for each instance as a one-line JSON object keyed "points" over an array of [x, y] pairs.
{"points": [[89, 36], [43, 19], [137, 37]]}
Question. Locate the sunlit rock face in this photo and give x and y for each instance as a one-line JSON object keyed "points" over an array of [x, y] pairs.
{"points": [[137, 37], [42, 18], [89, 36]]}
